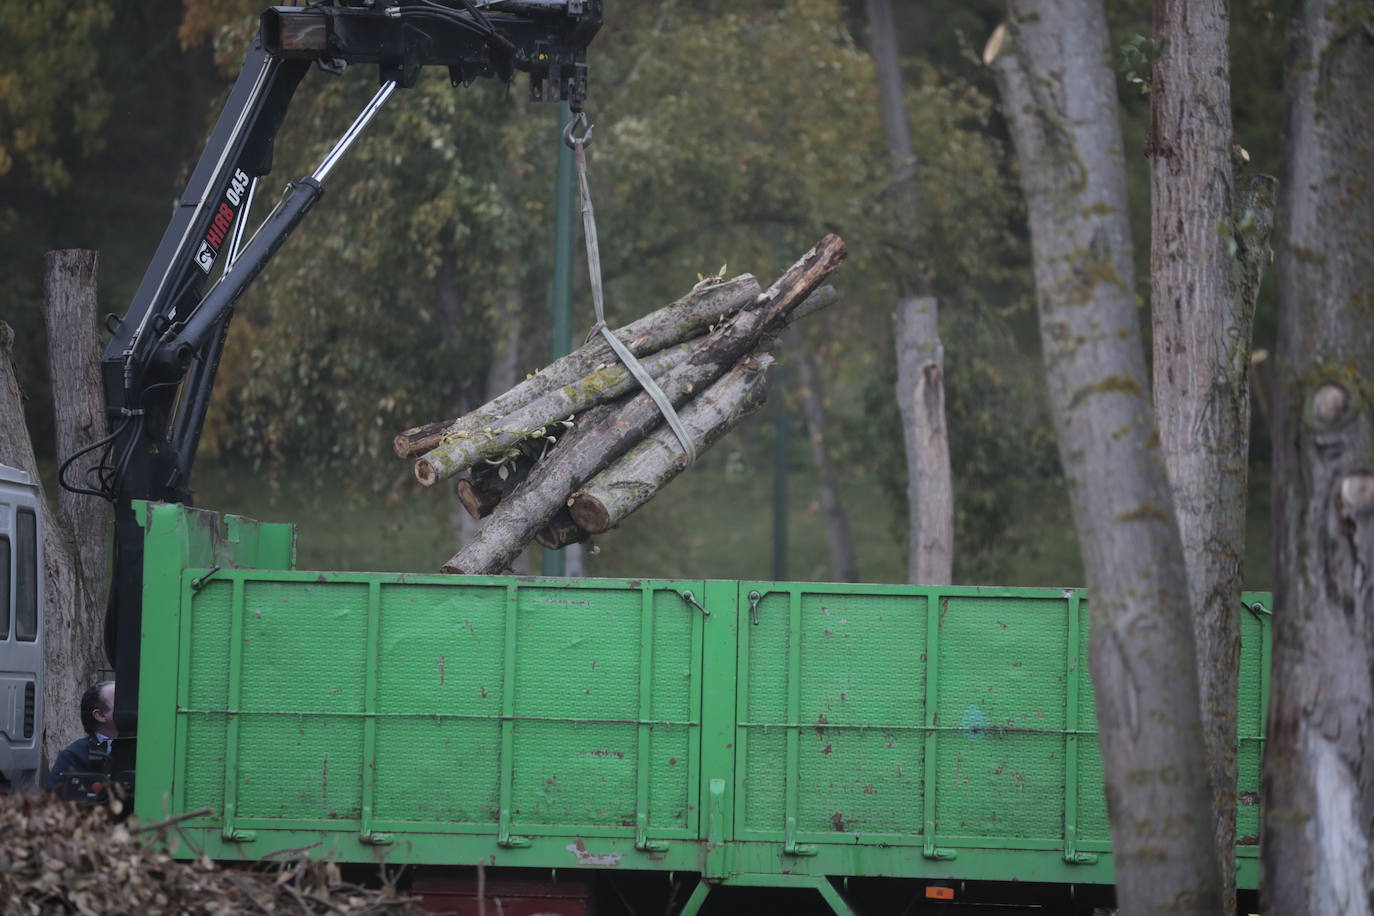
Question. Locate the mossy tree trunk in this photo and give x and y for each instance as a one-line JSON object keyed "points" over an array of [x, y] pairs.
{"points": [[920, 355], [1059, 96], [1203, 255], [1318, 794], [76, 572]]}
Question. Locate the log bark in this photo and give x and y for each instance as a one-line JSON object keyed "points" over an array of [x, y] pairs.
{"points": [[634, 479], [528, 509], [844, 563], [921, 401], [1317, 842], [69, 316], [684, 319], [605, 384], [74, 536], [1203, 307], [1059, 97]]}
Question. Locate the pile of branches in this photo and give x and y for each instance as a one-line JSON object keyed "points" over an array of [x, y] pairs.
{"points": [[575, 448], [58, 858]]}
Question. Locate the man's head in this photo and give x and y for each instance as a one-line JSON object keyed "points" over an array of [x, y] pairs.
{"points": [[97, 709]]}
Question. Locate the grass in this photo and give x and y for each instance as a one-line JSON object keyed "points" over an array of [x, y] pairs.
{"points": [[712, 522]]}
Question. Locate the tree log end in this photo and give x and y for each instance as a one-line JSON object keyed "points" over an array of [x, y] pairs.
{"points": [[425, 473], [589, 513], [470, 499], [561, 531]]}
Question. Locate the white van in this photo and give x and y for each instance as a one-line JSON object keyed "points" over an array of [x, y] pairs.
{"points": [[21, 632]]}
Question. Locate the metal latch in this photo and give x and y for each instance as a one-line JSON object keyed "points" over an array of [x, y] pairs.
{"points": [[692, 600], [754, 598]]}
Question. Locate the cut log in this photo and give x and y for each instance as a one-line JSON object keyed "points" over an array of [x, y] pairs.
{"points": [[480, 493], [634, 479], [606, 383], [684, 319], [561, 531], [529, 508]]}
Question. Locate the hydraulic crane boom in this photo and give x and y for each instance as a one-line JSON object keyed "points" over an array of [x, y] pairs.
{"points": [[160, 364]]}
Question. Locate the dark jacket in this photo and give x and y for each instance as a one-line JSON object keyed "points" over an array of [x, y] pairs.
{"points": [[75, 757]]}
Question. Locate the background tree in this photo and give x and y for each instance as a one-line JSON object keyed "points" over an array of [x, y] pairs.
{"points": [[76, 568], [844, 564], [1059, 97], [1209, 247], [1318, 805], [920, 355]]}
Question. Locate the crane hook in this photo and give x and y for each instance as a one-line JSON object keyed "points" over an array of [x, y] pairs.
{"points": [[579, 119]]}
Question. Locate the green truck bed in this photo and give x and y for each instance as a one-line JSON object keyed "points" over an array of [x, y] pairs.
{"points": [[819, 730]]}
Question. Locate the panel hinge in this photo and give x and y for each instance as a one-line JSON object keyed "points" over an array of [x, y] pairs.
{"points": [[236, 835], [931, 851], [377, 839]]}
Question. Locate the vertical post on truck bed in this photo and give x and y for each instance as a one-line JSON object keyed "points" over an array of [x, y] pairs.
{"points": [[554, 562]]}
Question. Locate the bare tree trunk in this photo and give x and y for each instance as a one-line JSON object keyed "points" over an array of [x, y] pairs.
{"points": [[69, 316], [844, 565], [1203, 314], [74, 538], [1059, 97], [920, 355], [921, 400], [1318, 803]]}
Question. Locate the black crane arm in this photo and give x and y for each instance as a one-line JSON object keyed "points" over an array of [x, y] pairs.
{"points": [[160, 364]]}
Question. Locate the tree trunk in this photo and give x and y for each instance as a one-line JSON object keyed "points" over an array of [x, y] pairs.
{"points": [[1203, 314], [921, 400], [844, 565], [635, 478], [1318, 794], [69, 315], [920, 355], [530, 508], [1059, 97], [684, 319], [74, 536]]}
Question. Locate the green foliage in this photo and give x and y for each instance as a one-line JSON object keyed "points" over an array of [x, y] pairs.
{"points": [[1138, 54], [727, 131], [50, 100], [752, 127]]}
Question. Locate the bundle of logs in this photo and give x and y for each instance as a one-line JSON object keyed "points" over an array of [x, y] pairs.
{"points": [[576, 447]]}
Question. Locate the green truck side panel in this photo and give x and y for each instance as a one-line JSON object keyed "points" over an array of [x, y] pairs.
{"points": [[800, 729]]}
